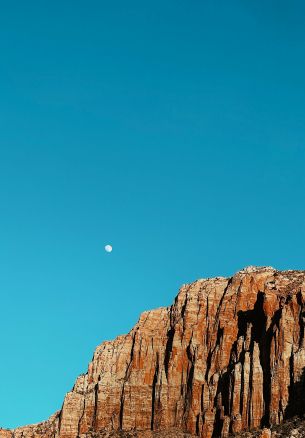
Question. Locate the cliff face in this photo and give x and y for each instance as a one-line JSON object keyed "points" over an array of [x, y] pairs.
{"points": [[227, 356]]}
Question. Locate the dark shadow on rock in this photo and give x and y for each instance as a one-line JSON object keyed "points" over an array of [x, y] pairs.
{"points": [[296, 401], [257, 320]]}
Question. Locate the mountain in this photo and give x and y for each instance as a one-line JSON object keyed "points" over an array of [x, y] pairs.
{"points": [[226, 357]]}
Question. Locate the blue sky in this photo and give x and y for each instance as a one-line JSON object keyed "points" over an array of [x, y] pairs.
{"points": [[172, 130]]}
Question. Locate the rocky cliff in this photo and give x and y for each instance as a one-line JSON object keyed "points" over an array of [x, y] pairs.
{"points": [[227, 356]]}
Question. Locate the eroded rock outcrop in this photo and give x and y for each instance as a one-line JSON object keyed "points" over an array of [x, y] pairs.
{"points": [[227, 356]]}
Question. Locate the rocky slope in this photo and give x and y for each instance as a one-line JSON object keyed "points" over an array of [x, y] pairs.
{"points": [[292, 428], [227, 356]]}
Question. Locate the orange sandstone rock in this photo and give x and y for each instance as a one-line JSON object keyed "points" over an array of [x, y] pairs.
{"points": [[266, 433], [227, 356]]}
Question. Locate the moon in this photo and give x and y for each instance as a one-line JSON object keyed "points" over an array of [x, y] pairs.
{"points": [[108, 248]]}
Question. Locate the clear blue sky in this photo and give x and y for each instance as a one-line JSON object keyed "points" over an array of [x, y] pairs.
{"points": [[173, 130]]}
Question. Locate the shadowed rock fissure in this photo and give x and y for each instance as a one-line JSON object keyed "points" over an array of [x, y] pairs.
{"points": [[168, 349], [122, 398], [81, 417], [262, 337], [301, 318], [153, 397], [94, 421]]}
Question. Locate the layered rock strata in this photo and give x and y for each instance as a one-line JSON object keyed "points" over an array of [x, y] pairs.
{"points": [[227, 356]]}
